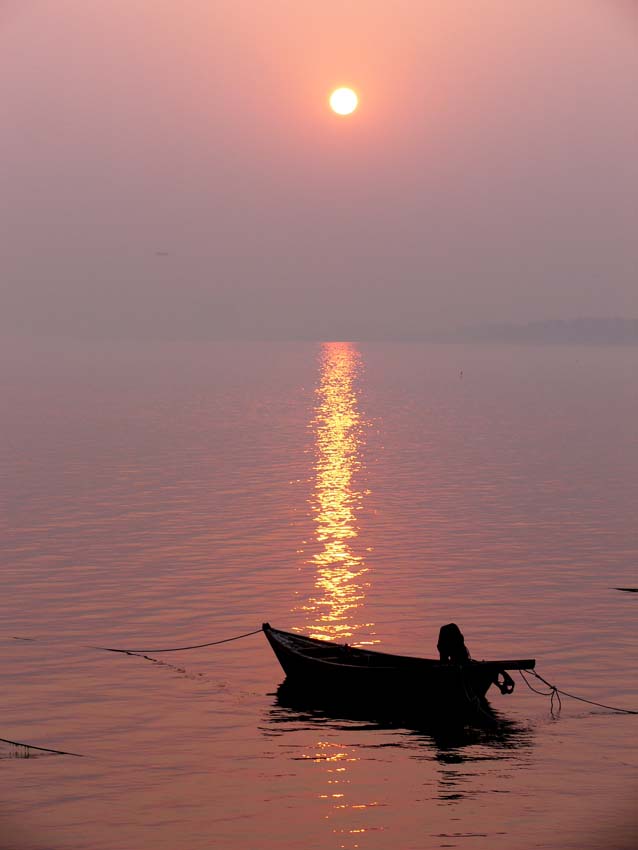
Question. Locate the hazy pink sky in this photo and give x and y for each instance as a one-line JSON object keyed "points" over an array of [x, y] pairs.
{"points": [[490, 173]]}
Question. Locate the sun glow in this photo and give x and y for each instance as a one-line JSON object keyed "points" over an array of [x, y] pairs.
{"points": [[343, 101]]}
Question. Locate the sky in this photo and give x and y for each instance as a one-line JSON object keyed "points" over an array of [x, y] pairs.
{"points": [[172, 169]]}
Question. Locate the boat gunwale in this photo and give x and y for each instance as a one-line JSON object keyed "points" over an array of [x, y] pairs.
{"points": [[404, 661]]}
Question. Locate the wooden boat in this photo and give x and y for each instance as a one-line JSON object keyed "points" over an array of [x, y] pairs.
{"points": [[425, 684]]}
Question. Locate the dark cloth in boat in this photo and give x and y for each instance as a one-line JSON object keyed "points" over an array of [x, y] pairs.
{"points": [[451, 645]]}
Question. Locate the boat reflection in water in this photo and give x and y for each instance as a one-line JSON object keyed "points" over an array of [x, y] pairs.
{"points": [[295, 704], [333, 611]]}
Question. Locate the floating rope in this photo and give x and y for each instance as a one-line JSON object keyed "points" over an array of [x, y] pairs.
{"points": [[176, 648], [555, 694], [42, 749]]}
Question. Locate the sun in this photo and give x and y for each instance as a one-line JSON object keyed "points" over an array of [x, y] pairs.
{"points": [[343, 101]]}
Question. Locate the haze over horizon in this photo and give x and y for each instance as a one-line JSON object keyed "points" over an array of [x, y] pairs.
{"points": [[174, 170]]}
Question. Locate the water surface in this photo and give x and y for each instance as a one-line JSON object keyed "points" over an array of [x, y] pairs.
{"points": [[167, 495]]}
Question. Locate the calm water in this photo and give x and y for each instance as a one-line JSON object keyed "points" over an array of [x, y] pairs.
{"points": [[169, 495]]}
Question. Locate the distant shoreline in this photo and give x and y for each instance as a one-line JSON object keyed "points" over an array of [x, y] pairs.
{"points": [[590, 332], [555, 331]]}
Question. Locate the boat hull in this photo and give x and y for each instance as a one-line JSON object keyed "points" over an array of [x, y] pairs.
{"points": [[349, 674]]}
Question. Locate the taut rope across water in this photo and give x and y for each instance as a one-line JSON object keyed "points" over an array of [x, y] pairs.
{"points": [[177, 648]]}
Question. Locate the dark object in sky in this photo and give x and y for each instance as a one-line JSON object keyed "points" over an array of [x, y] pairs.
{"points": [[627, 589], [426, 685]]}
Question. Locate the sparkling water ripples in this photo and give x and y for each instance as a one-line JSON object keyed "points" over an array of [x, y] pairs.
{"points": [[174, 494]]}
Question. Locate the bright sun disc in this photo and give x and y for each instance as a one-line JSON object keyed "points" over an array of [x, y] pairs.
{"points": [[343, 101]]}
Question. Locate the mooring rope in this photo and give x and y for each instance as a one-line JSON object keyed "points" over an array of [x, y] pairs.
{"points": [[552, 693], [42, 749], [176, 648], [555, 693], [163, 649]]}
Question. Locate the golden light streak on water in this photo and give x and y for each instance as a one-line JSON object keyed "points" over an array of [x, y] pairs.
{"points": [[336, 761], [334, 609]]}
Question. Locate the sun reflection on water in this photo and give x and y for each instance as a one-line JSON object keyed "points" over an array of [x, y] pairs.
{"points": [[340, 584], [341, 800]]}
